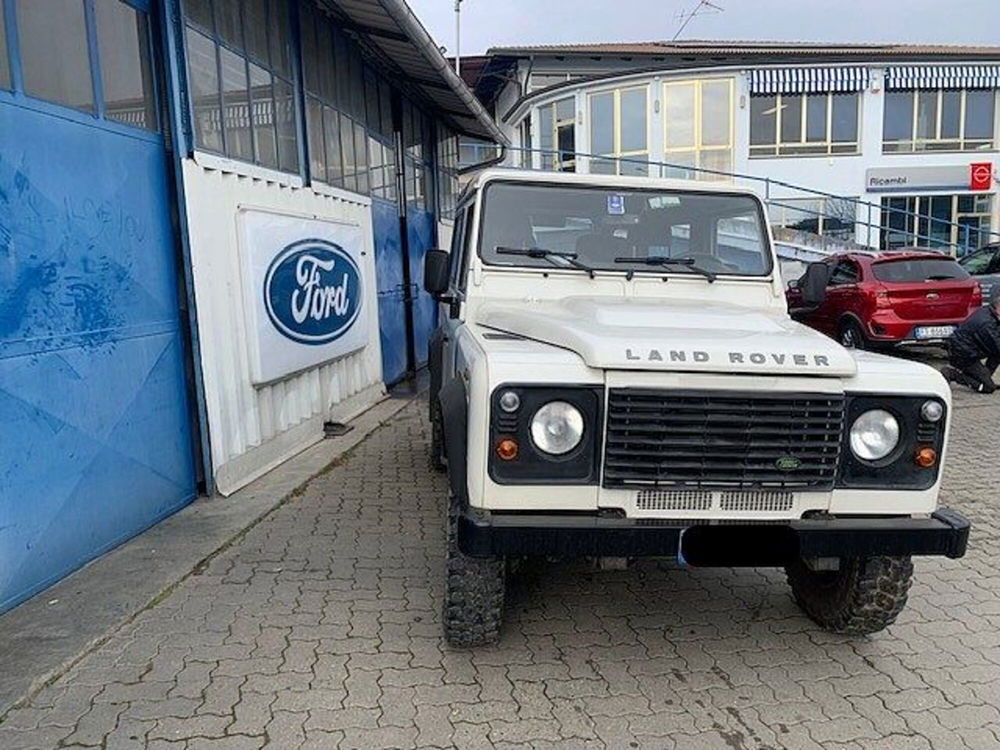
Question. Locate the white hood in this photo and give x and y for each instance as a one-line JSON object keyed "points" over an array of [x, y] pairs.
{"points": [[679, 335]]}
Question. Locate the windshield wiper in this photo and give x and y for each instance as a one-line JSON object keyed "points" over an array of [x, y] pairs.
{"points": [[685, 262], [541, 252]]}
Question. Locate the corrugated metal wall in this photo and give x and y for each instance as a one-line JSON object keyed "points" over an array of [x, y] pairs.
{"points": [[252, 429]]}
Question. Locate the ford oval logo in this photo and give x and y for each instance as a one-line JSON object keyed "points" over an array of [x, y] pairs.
{"points": [[312, 291]]}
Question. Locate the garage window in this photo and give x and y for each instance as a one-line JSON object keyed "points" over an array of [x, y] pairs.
{"points": [[126, 72], [54, 52], [239, 63], [4, 60]]}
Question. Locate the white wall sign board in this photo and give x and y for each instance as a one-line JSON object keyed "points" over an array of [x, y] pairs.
{"points": [[304, 292], [975, 176]]}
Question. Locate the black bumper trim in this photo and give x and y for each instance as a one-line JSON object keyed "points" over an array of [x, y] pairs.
{"points": [[945, 533]]}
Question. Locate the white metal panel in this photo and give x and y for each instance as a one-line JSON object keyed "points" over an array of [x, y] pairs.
{"points": [[252, 429]]}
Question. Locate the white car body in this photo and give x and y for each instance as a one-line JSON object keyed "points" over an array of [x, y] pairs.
{"points": [[614, 331]]}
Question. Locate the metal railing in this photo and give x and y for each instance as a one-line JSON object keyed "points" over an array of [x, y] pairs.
{"points": [[869, 219]]}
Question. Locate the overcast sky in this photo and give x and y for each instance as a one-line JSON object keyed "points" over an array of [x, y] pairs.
{"points": [[493, 23]]}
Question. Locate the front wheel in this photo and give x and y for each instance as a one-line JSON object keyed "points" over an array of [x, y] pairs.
{"points": [[864, 596], [474, 592]]}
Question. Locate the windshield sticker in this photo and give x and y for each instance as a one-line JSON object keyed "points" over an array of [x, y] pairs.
{"points": [[616, 205]]}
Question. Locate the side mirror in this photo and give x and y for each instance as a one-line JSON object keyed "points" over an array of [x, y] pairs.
{"points": [[436, 273], [813, 283], [793, 285]]}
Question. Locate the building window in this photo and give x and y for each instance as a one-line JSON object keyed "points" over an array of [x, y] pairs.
{"points": [[829, 217], [796, 124], [619, 130], [956, 223], [447, 160], [54, 52], [939, 120], [525, 159], [417, 156], [126, 72], [239, 63], [557, 135], [698, 128], [4, 59]]}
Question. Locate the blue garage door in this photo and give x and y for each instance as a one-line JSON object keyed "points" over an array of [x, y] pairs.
{"points": [[94, 412], [391, 289]]}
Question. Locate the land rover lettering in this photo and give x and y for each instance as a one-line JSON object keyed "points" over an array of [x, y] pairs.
{"points": [[583, 407]]}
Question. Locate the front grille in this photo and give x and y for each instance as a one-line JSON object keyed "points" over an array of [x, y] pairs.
{"points": [[772, 501], [722, 439], [674, 500]]}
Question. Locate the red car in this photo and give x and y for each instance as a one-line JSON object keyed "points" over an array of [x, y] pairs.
{"points": [[884, 299]]}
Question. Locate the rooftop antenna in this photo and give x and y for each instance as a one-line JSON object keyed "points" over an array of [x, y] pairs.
{"points": [[703, 7]]}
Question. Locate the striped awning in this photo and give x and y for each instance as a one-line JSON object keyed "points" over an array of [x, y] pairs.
{"points": [[943, 76], [807, 80]]}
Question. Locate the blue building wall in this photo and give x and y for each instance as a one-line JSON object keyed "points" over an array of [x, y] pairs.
{"points": [[96, 435]]}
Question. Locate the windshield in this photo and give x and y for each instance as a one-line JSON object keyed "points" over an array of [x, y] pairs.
{"points": [[607, 228], [917, 270]]}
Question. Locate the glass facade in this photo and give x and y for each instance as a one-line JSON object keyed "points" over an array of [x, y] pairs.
{"points": [[953, 223]]}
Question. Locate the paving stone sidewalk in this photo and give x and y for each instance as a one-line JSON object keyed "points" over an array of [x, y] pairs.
{"points": [[320, 628]]}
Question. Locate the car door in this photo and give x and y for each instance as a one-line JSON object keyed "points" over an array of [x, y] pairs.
{"points": [[984, 265], [841, 296], [447, 313]]}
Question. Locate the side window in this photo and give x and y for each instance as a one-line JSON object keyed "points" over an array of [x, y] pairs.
{"points": [[994, 262], [980, 263], [54, 54], [845, 272], [455, 253], [467, 242]]}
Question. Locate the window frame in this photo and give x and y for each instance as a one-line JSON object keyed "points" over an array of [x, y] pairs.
{"points": [[914, 144], [15, 88], [617, 153], [698, 148], [551, 159], [781, 148], [287, 77]]}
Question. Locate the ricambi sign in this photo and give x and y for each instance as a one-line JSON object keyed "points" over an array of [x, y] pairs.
{"points": [[312, 292], [308, 291]]}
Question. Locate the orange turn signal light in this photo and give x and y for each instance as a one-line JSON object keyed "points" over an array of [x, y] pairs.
{"points": [[507, 449], [925, 458]]}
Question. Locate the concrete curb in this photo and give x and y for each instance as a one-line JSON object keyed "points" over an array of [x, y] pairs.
{"points": [[43, 638]]}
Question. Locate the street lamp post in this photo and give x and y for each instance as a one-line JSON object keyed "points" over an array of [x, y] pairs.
{"points": [[458, 37]]}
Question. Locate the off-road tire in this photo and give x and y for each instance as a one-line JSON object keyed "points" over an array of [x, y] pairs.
{"points": [[438, 462], [852, 336], [864, 596], [473, 593]]}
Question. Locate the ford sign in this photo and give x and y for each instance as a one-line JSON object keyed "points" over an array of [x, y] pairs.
{"points": [[312, 292]]}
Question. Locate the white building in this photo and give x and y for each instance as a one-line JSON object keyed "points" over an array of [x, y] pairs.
{"points": [[909, 132]]}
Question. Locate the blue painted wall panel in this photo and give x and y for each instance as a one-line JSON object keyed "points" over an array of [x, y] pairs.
{"points": [[389, 277], [95, 436]]}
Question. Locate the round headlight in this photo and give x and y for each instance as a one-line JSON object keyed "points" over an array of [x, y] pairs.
{"points": [[931, 411], [874, 435], [557, 427]]}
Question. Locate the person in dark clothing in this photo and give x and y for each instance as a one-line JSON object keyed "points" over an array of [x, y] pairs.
{"points": [[977, 339]]}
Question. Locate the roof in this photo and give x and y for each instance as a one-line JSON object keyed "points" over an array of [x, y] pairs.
{"points": [[625, 182], [392, 31], [749, 48]]}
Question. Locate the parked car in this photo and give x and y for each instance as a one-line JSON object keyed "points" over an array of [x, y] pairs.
{"points": [[885, 299], [984, 265]]}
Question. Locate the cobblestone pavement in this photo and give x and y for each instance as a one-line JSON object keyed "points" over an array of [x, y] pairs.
{"points": [[320, 628]]}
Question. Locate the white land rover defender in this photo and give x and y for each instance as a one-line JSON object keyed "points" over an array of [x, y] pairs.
{"points": [[616, 374]]}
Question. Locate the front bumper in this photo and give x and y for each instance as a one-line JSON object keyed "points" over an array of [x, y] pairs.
{"points": [[735, 543]]}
